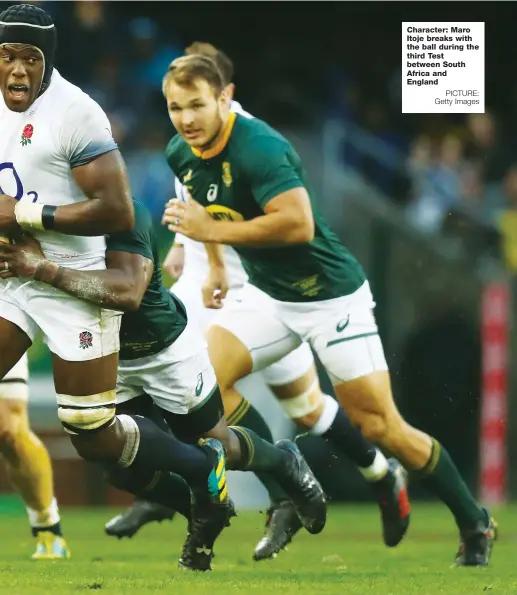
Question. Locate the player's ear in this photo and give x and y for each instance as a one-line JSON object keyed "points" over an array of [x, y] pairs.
{"points": [[231, 90], [225, 97]]}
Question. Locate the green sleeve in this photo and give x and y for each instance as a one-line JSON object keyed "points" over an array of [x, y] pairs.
{"points": [[138, 240], [271, 169]]}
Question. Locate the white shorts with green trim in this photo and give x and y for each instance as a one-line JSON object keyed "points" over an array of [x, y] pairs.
{"points": [[342, 331], [241, 298], [179, 379]]}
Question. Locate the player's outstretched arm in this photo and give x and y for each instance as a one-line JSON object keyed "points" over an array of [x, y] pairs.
{"points": [[120, 287]]}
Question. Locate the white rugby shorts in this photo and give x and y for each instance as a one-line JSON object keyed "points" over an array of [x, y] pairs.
{"points": [[342, 331], [73, 329], [294, 365], [179, 379]]}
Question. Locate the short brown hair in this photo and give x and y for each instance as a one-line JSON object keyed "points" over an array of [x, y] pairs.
{"points": [[185, 70], [203, 48]]}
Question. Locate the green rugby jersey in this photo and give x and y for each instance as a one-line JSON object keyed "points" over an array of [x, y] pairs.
{"points": [[161, 318], [235, 180]]}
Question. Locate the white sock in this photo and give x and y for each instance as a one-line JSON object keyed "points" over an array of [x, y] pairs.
{"points": [[44, 518], [327, 417], [377, 470]]}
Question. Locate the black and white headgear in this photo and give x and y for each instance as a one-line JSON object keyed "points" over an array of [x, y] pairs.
{"points": [[28, 24]]}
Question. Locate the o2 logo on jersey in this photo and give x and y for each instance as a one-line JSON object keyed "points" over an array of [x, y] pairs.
{"points": [[211, 195], [11, 184]]}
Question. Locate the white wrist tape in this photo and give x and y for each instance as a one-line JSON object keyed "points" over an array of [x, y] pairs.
{"points": [[28, 214]]}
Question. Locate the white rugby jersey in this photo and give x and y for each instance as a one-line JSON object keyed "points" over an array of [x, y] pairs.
{"points": [[64, 128], [196, 259]]}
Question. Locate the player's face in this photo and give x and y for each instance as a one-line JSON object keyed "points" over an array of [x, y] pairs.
{"points": [[196, 112], [21, 73]]}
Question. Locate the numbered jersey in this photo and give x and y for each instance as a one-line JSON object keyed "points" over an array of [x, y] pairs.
{"points": [[195, 268], [63, 129]]}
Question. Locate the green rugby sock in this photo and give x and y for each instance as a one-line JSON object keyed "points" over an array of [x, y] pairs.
{"points": [[442, 477], [259, 455], [246, 415]]}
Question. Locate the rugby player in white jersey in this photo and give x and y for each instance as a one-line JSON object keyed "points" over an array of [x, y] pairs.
{"points": [[164, 366], [63, 180], [293, 380]]}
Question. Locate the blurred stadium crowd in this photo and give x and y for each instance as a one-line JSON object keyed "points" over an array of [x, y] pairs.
{"points": [[304, 68], [453, 175]]}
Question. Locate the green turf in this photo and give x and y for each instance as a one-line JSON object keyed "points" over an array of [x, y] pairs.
{"points": [[346, 559]]}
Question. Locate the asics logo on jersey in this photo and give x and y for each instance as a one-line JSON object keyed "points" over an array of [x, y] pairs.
{"points": [[211, 195], [342, 324]]}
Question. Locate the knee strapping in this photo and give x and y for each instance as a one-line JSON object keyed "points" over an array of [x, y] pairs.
{"points": [[301, 405], [16, 390], [86, 413]]}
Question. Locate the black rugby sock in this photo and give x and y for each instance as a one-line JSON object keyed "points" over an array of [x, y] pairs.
{"points": [[246, 415], [161, 451]]}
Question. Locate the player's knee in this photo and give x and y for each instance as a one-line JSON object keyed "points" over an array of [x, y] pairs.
{"points": [[374, 427], [305, 409], [86, 418], [86, 413], [383, 430]]}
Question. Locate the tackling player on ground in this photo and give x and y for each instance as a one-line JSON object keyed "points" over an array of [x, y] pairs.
{"points": [[250, 191]]}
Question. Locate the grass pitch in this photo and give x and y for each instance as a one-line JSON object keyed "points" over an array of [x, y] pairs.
{"points": [[348, 558]]}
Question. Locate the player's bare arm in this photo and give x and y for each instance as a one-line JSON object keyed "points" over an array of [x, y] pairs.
{"points": [[174, 261], [216, 285], [287, 220], [108, 208], [120, 287]]}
